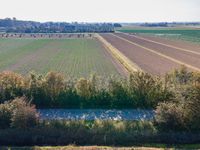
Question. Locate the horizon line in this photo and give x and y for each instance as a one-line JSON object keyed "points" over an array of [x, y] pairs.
{"points": [[123, 22]]}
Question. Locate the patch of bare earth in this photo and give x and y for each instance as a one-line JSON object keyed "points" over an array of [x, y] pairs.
{"points": [[177, 43], [147, 61], [180, 55]]}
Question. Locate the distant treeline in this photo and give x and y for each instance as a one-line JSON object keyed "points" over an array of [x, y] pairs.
{"points": [[163, 24], [19, 26]]}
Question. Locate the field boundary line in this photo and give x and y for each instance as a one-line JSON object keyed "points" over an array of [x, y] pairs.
{"points": [[127, 63], [158, 53], [167, 45]]}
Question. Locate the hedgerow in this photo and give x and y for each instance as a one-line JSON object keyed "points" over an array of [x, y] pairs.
{"points": [[140, 90]]}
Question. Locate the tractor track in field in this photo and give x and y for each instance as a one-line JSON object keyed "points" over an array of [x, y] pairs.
{"points": [[155, 57]]}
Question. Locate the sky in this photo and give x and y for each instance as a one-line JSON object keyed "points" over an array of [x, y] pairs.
{"points": [[102, 10]]}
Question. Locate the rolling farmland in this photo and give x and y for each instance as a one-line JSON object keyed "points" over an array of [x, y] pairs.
{"points": [[73, 57], [108, 54], [155, 56]]}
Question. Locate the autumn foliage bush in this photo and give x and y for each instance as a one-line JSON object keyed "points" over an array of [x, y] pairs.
{"points": [[182, 111], [18, 113], [11, 85]]}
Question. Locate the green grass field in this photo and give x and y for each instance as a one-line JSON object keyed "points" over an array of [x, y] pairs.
{"points": [[187, 34], [73, 57]]}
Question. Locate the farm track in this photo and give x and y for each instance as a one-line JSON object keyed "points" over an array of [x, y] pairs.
{"points": [[146, 60]]}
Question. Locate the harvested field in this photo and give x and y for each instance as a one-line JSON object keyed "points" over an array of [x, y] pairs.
{"points": [[188, 57], [154, 57], [172, 42], [73, 57]]}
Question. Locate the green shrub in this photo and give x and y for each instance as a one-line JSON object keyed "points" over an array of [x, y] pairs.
{"points": [[5, 115], [54, 85], [183, 112], [83, 88], [170, 116], [182, 75], [147, 90], [35, 90], [192, 107], [11, 85]]}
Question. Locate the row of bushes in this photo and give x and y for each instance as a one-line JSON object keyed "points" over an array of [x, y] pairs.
{"points": [[140, 90]]}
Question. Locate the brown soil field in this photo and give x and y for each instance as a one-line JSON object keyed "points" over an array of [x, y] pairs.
{"points": [[178, 43], [146, 60], [187, 56]]}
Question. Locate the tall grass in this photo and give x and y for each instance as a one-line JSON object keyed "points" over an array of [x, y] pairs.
{"points": [[114, 133]]}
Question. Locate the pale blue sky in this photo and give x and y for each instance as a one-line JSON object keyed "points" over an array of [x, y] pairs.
{"points": [[102, 10]]}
